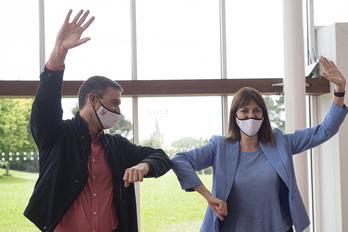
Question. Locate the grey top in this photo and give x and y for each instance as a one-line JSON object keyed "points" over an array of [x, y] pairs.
{"points": [[253, 203]]}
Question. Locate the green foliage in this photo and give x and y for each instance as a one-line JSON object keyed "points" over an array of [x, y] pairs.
{"points": [[189, 143], [15, 131], [14, 126], [122, 127], [75, 109], [275, 109], [153, 141]]}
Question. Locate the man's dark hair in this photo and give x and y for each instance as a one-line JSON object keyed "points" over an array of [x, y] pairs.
{"points": [[97, 85]]}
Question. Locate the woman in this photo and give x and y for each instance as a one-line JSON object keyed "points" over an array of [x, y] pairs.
{"points": [[254, 185]]}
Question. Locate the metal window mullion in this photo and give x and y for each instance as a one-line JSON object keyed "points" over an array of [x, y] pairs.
{"points": [[42, 36], [223, 66], [134, 66]]}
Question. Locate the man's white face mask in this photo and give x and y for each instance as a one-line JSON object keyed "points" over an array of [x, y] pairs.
{"points": [[107, 118], [249, 126]]}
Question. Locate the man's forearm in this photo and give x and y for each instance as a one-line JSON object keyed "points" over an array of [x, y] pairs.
{"points": [[57, 57]]}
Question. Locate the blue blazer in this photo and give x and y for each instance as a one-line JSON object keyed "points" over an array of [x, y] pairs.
{"points": [[223, 157]]}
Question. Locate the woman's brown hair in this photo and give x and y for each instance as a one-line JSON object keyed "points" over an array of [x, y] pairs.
{"points": [[241, 99]]}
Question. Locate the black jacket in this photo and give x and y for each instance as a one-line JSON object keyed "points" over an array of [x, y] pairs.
{"points": [[64, 147]]}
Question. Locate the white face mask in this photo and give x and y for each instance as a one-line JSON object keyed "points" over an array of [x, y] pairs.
{"points": [[249, 126], [107, 118]]}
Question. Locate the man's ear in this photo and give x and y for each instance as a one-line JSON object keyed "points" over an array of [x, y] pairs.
{"points": [[92, 99]]}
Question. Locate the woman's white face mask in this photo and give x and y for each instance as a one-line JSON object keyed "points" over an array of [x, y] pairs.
{"points": [[249, 126], [106, 117]]}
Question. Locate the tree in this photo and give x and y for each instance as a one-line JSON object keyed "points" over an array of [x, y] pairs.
{"points": [[153, 141], [122, 127], [14, 128], [275, 109], [188, 143]]}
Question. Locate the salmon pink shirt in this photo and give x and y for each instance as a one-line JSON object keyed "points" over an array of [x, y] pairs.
{"points": [[93, 210]]}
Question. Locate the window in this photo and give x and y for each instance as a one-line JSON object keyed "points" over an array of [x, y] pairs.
{"points": [[108, 51], [178, 39], [254, 38], [19, 56]]}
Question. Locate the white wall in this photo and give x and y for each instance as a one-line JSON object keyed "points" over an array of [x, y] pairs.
{"points": [[330, 160]]}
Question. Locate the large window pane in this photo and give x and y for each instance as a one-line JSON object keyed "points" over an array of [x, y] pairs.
{"points": [[19, 46], [254, 39], [178, 39], [179, 117], [327, 12], [169, 120], [108, 51]]}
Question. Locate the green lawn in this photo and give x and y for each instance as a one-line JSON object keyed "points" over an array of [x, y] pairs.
{"points": [[164, 206], [167, 208], [15, 191]]}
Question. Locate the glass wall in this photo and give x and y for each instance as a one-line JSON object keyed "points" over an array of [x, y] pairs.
{"points": [[174, 40], [327, 12], [178, 39], [176, 118], [19, 41], [254, 31], [108, 53]]}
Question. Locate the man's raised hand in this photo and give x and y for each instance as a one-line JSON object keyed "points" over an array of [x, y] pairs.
{"points": [[69, 36]]}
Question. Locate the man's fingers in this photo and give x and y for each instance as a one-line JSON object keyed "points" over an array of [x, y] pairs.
{"points": [[67, 18], [140, 176], [83, 18], [137, 175], [86, 25], [132, 175], [77, 16], [82, 41], [125, 179]]}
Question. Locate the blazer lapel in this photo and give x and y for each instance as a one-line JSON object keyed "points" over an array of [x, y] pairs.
{"points": [[273, 157], [232, 155]]}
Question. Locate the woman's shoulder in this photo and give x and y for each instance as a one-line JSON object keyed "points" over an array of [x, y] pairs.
{"points": [[277, 131], [218, 138]]}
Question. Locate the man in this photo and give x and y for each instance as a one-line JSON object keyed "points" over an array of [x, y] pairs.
{"points": [[86, 177]]}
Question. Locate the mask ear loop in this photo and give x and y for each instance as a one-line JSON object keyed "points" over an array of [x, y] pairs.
{"points": [[96, 112], [258, 119], [98, 117], [111, 111]]}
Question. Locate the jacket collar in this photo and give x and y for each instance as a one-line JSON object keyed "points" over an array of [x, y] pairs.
{"points": [[272, 155], [232, 156]]}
